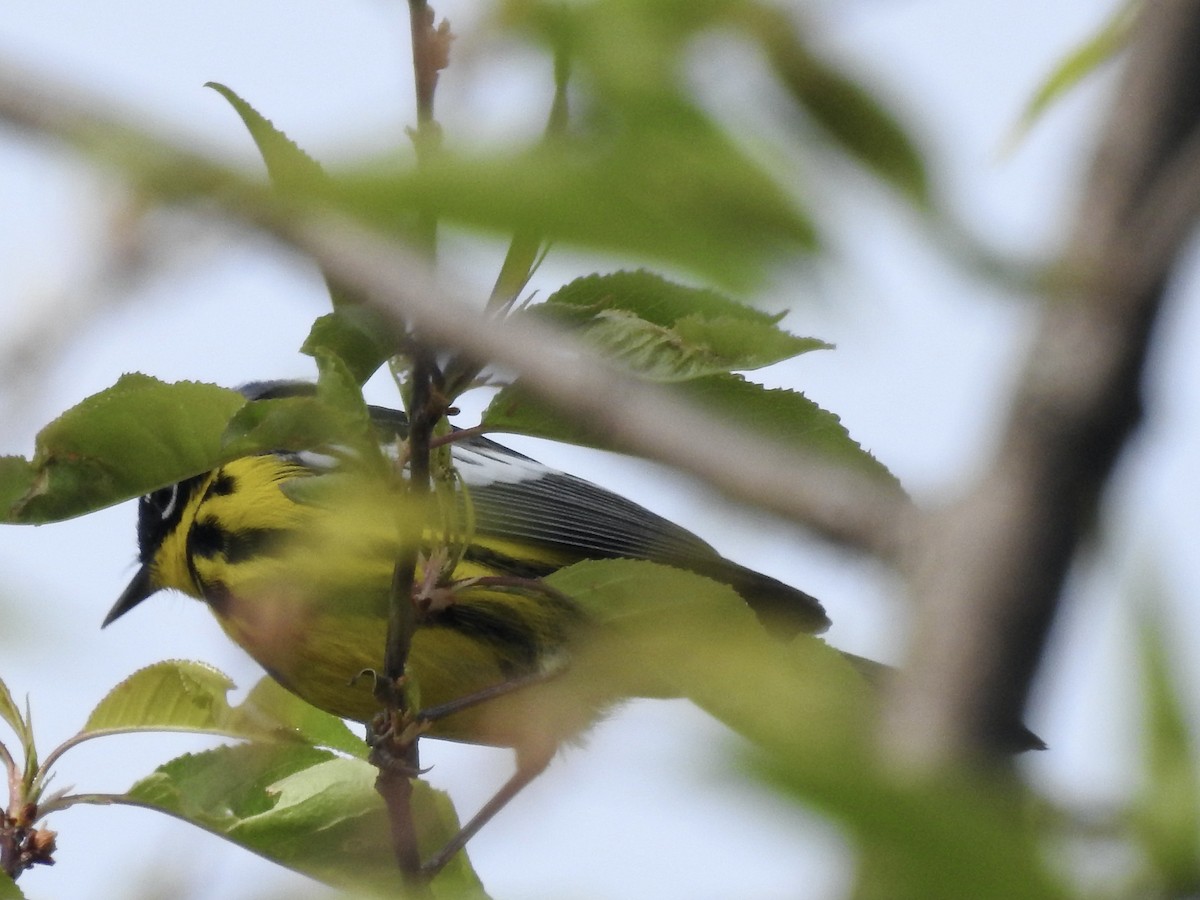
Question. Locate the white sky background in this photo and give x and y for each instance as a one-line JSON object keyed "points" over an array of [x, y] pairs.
{"points": [[925, 358]]}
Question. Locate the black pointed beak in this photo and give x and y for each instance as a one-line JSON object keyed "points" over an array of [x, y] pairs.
{"points": [[139, 589]]}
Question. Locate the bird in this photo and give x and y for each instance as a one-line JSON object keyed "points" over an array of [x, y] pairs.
{"points": [[296, 564], [299, 575]]}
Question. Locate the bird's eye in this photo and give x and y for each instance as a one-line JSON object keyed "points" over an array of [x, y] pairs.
{"points": [[163, 501]]}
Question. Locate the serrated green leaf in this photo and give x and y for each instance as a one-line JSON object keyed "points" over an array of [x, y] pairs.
{"points": [[1098, 48], [358, 336], [780, 415], [134, 437], [217, 788], [175, 695], [271, 704], [668, 332], [785, 416], [305, 809], [9, 889], [287, 164], [651, 297], [142, 434], [1167, 814], [292, 171]]}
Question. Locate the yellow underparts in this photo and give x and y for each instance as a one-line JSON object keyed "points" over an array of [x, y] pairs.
{"points": [[304, 588]]}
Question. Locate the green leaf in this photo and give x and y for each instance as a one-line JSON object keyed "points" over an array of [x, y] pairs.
{"points": [[175, 695], [947, 836], [360, 337], [785, 416], [287, 164], [134, 437], [217, 788], [680, 193], [142, 434], [22, 726], [812, 723], [1083, 60], [667, 332], [339, 390], [11, 713], [779, 415], [1167, 814], [305, 809], [668, 632], [651, 297], [271, 704], [292, 171], [17, 476], [9, 889], [849, 113], [281, 423]]}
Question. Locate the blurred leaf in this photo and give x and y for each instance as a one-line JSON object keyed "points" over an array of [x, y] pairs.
{"points": [[302, 808], [780, 415], [16, 479], [281, 423], [948, 836], [658, 624], [852, 115], [358, 336], [812, 721], [1167, 814], [9, 889], [22, 726], [269, 703], [134, 437], [679, 193], [1083, 60]]}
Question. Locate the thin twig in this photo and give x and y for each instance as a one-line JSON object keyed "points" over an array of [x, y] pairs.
{"points": [[396, 749]]}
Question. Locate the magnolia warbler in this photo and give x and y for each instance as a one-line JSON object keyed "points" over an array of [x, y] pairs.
{"points": [[303, 585]]}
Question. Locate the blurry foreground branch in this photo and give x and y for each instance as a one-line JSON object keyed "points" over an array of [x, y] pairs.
{"points": [[988, 570], [633, 416]]}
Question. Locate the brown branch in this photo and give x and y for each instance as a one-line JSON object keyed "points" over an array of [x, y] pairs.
{"points": [[394, 749], [989, 569]]}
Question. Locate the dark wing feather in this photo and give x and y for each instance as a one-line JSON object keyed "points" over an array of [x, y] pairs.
{"points": [[519, 498], [516, 497]]}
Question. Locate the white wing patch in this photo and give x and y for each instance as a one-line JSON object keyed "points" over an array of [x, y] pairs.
{"points": [[480, 466]]}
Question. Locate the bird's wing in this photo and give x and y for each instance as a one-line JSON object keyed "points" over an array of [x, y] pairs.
{"points": [[518, 497]]}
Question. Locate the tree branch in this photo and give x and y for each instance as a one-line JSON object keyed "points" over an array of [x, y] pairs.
{"points": [[843, 506], [988, 570]]}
